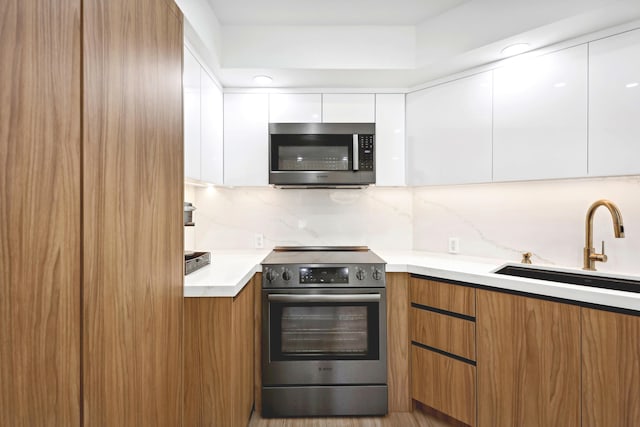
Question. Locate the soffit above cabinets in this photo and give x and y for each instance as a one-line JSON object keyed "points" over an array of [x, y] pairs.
{"points": [[329, 12], [382, 44]]}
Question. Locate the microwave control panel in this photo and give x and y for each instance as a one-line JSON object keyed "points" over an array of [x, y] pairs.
{"points": [[366, 154]]}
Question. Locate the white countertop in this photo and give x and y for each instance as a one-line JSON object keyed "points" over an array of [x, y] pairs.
{"points": [[227, 274], [230, 271]]}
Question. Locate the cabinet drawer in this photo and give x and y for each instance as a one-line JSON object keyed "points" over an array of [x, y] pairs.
{"points": [[445, 384], [444, 296], [446, 333]]}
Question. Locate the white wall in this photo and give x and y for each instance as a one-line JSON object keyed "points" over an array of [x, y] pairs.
{"points": [[546, 218], [228, 218]]}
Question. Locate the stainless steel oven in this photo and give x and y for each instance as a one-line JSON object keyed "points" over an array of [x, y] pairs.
{"points": [[324, 333]]}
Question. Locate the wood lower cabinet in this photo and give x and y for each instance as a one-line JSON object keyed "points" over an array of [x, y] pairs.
{"points": [[219, 360], [443, 350], [528, 362], [539, 362], [610, 369]]}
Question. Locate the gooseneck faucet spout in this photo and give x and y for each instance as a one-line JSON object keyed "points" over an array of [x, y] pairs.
{"points": [[590, 254]]}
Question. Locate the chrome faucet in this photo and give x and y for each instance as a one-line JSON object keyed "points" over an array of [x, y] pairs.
{"points": [[590, 254]]}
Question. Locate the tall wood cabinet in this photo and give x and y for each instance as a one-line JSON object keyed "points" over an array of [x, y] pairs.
{"points": [[132, 203], [40, 213], [90, 202]]}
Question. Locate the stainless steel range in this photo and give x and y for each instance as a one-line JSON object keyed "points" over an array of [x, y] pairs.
{"points": [[324, 350]]}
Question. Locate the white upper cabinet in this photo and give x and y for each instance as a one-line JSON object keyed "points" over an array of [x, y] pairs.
{"points": [[211, 144], [390, 164], [246, 139], [348, 108], [295, 108], [449, 132], [191, 88], [540, 117], [614, 105], [203, 148]]}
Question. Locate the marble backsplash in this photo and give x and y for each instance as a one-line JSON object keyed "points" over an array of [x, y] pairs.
{"points": [[546, 218], [229, 218], [498, 220]]}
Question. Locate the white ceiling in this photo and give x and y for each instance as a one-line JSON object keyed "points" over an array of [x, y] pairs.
{"points": [[382, 43], [328, 12]]}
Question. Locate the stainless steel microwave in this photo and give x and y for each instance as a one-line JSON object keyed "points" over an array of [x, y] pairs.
{"points": [[322, 154]]}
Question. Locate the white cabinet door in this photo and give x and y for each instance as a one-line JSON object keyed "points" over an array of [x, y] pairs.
{"points": [[295, 108], [614, 105], [449, 132], [246, 139], [540, 117], [348, 108], [390, 170], [191, 88], [211, 148]]}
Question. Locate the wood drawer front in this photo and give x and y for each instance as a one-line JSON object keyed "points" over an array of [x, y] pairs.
{"points": [[444, 296], [445, 384], [447, 333]]}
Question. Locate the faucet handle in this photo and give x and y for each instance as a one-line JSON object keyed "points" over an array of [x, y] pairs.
{"points": [[603, 255]]}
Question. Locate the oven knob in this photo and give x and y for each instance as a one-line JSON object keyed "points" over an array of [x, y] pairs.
{"points": [[360, 274], [271, 275], [286, 275], [377, 274]]}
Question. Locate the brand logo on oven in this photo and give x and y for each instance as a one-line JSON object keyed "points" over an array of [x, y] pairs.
{"points": [[325, 369]]}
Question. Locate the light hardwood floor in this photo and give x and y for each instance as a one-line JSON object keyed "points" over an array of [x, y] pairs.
{"points": [[397, 419]]}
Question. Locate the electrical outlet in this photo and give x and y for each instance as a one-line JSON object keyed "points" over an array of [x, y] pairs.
{"points": [[454, 245], [258, 241]]}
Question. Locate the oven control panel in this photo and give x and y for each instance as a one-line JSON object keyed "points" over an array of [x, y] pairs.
{"points": [[323, 276]]}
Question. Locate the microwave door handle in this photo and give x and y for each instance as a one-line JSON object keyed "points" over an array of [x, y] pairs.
{"points": [[298, 298], [356, 159]]}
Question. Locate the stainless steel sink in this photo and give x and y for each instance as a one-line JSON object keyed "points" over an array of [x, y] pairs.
{"points": [[575, 278]]}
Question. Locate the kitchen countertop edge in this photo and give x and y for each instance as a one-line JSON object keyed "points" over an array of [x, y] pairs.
{"points": [[231, 271]]}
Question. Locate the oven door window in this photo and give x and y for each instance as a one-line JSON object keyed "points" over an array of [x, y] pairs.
{"points": [[337, 331], [311, 152]]}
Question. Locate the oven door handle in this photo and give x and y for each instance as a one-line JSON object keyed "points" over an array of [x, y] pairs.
{"points": [[324, 298]]}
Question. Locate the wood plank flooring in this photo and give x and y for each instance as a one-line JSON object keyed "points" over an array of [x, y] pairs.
{"points": [[396, 419]]}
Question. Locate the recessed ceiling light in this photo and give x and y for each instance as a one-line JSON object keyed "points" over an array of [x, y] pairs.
{"points": [[633, 84], [515, 49], [262, 80]]}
